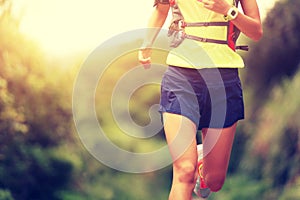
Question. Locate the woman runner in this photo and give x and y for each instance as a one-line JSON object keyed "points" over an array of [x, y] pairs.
{"points": [[201, 89]]}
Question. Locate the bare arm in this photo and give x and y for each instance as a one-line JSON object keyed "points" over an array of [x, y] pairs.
{"points": [[156, 21], [249, 23]]}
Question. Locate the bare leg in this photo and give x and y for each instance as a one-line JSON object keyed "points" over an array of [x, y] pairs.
{"points": [[217, 145], [181, 138]]}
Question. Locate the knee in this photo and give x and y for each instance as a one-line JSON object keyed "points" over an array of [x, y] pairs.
{"points": [[215, 181], [185, 171]]}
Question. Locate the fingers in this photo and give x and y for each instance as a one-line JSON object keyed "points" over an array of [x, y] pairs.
{"points": [[218, 6], [207, 3], [144, 58]]}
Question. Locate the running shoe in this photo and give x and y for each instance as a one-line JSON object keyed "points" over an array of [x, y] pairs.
{"points": [[201, 190]]}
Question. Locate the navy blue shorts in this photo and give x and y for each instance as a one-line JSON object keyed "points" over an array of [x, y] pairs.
{"points": [[211, 98]]}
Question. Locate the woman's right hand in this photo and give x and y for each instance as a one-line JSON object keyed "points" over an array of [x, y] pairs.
{"points": [[144, 57]]}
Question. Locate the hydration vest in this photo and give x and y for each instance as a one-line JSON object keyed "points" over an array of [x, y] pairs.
{"points": [[203, 38], [178, 25]]}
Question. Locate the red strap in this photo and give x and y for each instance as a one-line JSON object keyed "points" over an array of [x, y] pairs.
{"points": [[172, 2], [231, 33]]}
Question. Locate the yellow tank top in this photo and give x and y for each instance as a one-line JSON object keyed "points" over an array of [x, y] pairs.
{"points": [[195, 54]]}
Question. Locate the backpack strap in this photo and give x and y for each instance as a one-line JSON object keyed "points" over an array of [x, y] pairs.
{"points": [[200, 39], [199, 24], [176, 28], [195, 24], [233, 34]]}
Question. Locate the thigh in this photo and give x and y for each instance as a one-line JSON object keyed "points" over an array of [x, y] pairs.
{"points": [[181, 137], [217, 145]]}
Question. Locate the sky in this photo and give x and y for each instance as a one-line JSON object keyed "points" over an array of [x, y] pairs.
{"points": [[66, 26], [63, 26]]}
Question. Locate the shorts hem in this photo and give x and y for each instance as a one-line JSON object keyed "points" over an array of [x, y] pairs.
{"points": [[177, 113], [200, 127]]}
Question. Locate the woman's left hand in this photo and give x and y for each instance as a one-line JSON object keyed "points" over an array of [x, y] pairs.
{"points": [[219, 6]]}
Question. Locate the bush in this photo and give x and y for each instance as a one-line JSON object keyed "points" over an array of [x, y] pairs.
{"points": [[31, 172], [240, 187], [5, 195]]}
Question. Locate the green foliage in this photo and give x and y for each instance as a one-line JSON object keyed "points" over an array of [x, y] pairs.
{"points": [[37, 131], [240, 187], [291, 191], [270, 135], [276, 55], [41, 159], [35, 118], [276, 140], [136, 103], [37, 172], [5, 195]]}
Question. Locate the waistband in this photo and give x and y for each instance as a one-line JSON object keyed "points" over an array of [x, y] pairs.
{"points": [[211, 76]]}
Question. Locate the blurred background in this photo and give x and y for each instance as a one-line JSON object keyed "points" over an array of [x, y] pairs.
{"points": [[43, 44]]}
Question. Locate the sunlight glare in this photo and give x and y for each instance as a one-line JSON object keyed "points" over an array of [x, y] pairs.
{"points": [[68, 26], [65, 26]]}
